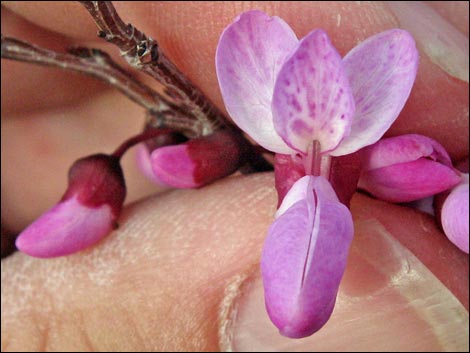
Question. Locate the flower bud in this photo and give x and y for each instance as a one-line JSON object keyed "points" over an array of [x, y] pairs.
{"points": [[86, 213], [197, 162], [406, 168]]}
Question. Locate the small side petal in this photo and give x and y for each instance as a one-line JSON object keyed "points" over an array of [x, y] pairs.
{"points": [[249, 55], [144, 163], [381, 70], [312, 97], [66, 228], [304, 258], [402, 149], [454, 217], [410, 181]]}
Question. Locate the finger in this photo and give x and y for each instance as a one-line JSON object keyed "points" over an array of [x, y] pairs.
{"points": [[170, 276], [456, 12]]}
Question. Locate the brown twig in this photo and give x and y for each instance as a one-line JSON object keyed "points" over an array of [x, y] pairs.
{"points": [[144, 54]]}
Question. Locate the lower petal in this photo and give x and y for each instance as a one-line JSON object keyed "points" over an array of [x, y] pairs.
{"points": [[304, 258]]}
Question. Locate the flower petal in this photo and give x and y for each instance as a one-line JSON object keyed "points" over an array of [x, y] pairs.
{"points": [[454, 217], [404, 182], [304, 258], [381, 70], [66, 228], [249, 55], [144, 164], [402, 149], [312, 97]]}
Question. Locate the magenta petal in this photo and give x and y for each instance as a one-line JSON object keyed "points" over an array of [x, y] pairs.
{"points": [[454, 216], [249, 55], [312, 97], [381, 70], [173, 166], [409, 181], [66, 228], [304, 258]]}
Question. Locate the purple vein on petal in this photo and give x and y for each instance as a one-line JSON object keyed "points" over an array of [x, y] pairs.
{"points": [[312, 97]]}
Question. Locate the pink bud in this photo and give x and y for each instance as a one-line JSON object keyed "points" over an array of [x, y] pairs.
{"points": [[407, 168], [86, 213], [198, 162]]}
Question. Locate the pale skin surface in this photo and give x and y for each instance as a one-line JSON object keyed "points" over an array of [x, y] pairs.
{"points": [[181, 247]]}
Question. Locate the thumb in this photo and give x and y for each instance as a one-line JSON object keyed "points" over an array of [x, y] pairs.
{"points": [[180, 274]]}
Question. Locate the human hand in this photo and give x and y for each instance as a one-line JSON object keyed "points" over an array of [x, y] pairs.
{"points": [[177, 254]]}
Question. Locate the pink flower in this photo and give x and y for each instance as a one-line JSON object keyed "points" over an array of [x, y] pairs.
{"points": [[301, 100], [407, 168], [86, 213]]}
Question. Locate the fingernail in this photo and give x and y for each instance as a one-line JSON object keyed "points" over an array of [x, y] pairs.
{"points": [[445, 45], [386, 294]]}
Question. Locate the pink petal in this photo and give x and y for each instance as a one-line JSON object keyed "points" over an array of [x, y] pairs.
{"points": [[144, 164], [304, 258], [249, 55], [381, 70], [402, 149], [312, 97], [454, 217], [404, 182], [198, 162], [66, 228]]}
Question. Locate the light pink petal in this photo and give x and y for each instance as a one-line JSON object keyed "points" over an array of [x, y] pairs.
{"points": [[381, 70], [402, 149], [249, 55], [304, 257], [301, 189], [312, 97], [66, 228], [404, 182], [454, 217], [144, 164]]}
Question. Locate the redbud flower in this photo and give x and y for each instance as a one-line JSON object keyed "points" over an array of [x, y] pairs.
{"points": [[86, 213], [407, 168], [454, 215], [302, 100]]}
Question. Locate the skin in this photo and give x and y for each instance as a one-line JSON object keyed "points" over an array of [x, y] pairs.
{"points": [[164, 242]]}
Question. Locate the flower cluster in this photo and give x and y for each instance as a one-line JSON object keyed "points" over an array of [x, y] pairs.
{"points": [[301, 100]]}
